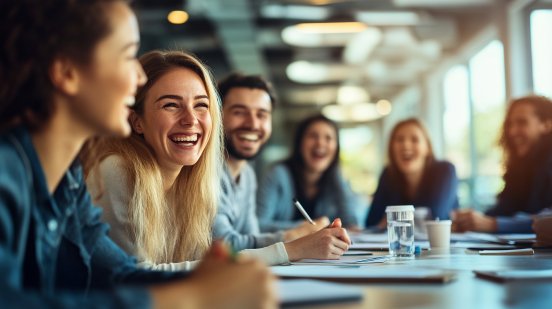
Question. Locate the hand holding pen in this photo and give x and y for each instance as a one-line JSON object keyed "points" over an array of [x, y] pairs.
{"points": [[324, 222]]}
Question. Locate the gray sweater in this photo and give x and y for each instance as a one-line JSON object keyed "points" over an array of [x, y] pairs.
{"points": [[236, 220]]}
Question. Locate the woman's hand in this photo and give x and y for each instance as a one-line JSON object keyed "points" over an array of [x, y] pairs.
{"points": [[327, 244], [543, 228], [306, 228], [470, 220], [219, 281]]}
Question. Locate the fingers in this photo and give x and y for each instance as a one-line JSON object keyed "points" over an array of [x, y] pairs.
{"points": [[464, 220], [336, 223], [341, 233], [341, 245]]}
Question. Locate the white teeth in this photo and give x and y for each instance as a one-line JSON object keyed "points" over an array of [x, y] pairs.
{"points": [[189, 138], [249, 136], [130, 100]]}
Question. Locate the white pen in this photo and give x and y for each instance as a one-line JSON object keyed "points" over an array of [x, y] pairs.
{"points": [[302, 211]]}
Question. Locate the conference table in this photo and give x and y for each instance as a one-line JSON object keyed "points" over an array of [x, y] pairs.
{"points": [[465, 291]]}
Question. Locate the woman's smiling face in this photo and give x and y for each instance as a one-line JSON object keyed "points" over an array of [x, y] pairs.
{"points": [[319, 146], [410, 149], [176, 120]]}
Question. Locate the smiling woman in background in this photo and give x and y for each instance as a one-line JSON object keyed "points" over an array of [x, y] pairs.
{"points": [[311, 175], [527, 143], [413, 176]]}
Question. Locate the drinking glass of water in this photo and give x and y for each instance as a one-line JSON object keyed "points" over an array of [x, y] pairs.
{"points": [[400, 230]]}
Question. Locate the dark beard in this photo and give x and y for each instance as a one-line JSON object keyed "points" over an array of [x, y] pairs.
{"points": [[234, 153]]}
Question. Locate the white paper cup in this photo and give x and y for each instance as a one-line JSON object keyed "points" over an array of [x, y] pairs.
{"points": [[438, 233]]}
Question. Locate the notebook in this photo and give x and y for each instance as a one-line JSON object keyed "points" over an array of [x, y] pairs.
{"points": [[306, 292]]}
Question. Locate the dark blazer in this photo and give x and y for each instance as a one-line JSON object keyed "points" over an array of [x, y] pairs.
{"points": [[438, 192]]}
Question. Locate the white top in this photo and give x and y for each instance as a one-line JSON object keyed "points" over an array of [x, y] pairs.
{"points": [[114, 201]]}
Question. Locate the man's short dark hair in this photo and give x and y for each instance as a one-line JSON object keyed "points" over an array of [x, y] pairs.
{"points": [[238, 80]]}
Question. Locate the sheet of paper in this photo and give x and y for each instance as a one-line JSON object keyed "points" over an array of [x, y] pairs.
{"points": [[515, 237], [369, 238], [305, 291], [480, 245], [362, 273], [368, 259], [525, 251], [378, 246], [453, 237], [475, 236]]}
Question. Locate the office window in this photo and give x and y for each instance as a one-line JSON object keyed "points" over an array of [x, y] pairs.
{"points": [[488, 100], [360, 157], [541, 51], [361, 163], [456, 124], [474, 97]]}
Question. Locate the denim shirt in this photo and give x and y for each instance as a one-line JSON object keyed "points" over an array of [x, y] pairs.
{"points": [[54, 250]]}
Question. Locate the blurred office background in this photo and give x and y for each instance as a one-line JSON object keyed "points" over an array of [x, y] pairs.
{"points": [[370, 63]]}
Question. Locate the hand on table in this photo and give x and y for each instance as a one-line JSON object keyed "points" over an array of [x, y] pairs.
{"points": [[471, 220], [543, 228]]}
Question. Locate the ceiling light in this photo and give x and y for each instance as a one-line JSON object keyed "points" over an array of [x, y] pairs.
{"points": [[177, 17], [350, 94], [383, 107], [388, 18], [295, 12], [339, 27], [336, 113], [306, 72], [295, 36], [312, 72], [360, 112]]}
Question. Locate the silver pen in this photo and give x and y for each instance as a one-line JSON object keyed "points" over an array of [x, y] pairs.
{"points": [[302, 211]]}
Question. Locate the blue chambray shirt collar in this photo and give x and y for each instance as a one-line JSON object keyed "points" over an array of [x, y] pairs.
{"points": [[43, 195]]}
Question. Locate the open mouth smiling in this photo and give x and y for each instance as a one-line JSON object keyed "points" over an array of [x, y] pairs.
{"points": [[185, 140]]}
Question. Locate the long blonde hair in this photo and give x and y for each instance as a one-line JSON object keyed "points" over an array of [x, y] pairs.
{"points": [[171, 227]]}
